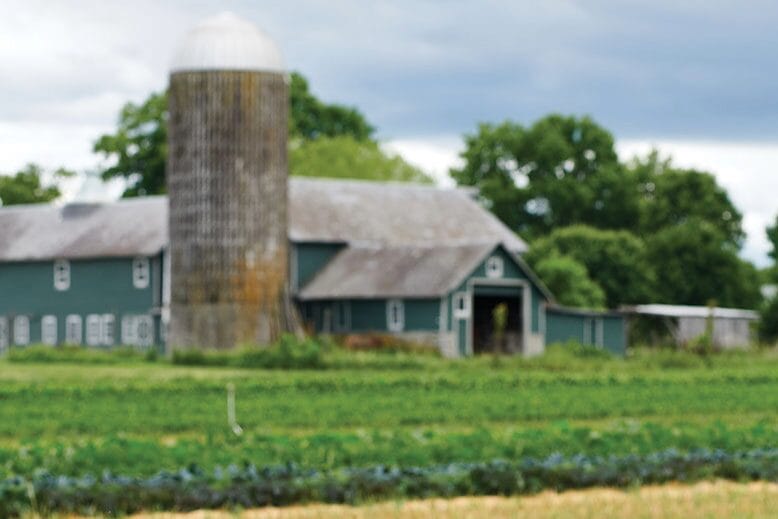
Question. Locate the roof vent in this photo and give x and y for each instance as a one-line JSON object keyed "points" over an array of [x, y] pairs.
{"points": [[79, 210]]}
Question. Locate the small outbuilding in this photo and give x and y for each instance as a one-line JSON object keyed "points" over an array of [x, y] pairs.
{"points": [[729, 327]]}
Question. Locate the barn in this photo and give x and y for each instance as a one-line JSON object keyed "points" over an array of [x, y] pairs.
{"points": [[423, 263]]}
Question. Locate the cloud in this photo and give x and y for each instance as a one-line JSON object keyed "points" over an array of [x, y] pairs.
{"points": [[697, 77]]}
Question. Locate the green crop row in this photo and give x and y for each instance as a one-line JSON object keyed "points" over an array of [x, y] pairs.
{"points": [[399, 447], [193, 488]]}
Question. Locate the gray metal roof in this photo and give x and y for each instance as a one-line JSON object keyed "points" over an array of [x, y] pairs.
{"points": [[691, 311], [406, 271], [354, 212], [132, 227], [393, 213]]}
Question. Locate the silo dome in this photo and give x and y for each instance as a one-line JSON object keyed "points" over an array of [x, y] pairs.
{"points": [[227, 42]]}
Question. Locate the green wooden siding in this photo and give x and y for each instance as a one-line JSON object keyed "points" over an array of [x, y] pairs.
{"points": [[369, 315], [615, 334], [310, 258], [99, 286], [563, 326]]}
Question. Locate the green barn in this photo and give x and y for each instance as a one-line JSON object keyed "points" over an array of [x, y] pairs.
{"points": [[418, 262]]}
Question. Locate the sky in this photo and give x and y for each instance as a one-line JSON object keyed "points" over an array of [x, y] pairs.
{"points": [[697, 79]]}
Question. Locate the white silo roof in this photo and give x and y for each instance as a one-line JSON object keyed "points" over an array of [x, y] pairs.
{"points": [[227, 42]]}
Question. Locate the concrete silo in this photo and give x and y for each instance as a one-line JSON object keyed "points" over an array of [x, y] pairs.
{"points": [[227, 182]]}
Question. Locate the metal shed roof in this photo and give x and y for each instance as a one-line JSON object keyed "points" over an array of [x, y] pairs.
{"points": [[368, 272], [356, 212], [691, 311]]}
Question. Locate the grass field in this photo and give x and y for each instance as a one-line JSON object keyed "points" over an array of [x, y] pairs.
{"points": [[138, 417]]}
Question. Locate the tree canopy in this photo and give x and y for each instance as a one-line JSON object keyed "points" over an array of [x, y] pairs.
{"points": [[345, 157], [560, 171], [560, 185], [569, 281], [695, 264], [671, 196], [310, 118], [137, 150], [27, 187], [616, 261]]}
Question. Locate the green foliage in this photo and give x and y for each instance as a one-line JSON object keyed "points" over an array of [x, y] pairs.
{"points": [[569, 281], [768, 324], [192, 488], [78, 355], [345, 157], [558, 172], [563, 172], [671, 196], [615, 260], [138, 149], [583, 417], [288, 353], [695, 264], [310, 118], [26, 186]]}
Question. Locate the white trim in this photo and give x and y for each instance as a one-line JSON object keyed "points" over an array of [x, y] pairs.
{"points": [[74, 333], [4, 342], [166, 286], [461, 304], [395, 315], [49, 330], [107, 329], [93, 329], [21, 330], [526, 303], [141, 273], [599, 332], [61, 275], [494, 267], [443, 316]]}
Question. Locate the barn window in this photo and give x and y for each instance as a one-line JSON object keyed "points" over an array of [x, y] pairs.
{"points": [[107, 332], [145, 327], [61, 275], [93, 323], [395, 315], [494, 267], [21, 330], [138, 330], [140, 272], [461, 305], [3, 333], [49, 330], [73, 331]]}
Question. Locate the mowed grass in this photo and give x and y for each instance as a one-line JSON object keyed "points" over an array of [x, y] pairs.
{"points": [[139, 418]]}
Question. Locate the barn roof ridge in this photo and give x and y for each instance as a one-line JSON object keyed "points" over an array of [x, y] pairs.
{"points": [[320, 210]]}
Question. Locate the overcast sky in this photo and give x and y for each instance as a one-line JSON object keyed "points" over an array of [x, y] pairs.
{"points": [[699, 79]]}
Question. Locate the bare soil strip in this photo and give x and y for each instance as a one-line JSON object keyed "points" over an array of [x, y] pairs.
{"points": [[719, 499]]}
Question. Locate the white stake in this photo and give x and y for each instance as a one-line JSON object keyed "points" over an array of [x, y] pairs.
{"points": [[231, 419]]}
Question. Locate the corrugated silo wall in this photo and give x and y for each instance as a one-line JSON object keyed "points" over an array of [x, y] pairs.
{"points": [[227, 182]]}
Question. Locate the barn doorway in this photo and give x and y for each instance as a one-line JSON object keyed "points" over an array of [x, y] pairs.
{"points": [[488, 311]]}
